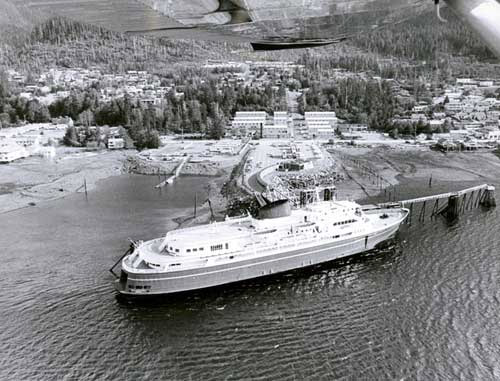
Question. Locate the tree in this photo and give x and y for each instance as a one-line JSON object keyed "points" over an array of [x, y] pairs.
{"points": [[86, 118], [71, 137]]}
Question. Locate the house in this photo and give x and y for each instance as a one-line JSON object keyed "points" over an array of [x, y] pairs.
{"points": [[116, 143], [27, 140]]}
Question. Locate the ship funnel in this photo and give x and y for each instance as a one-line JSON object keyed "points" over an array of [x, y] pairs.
{"points": [[329, 194], [276, 209]]}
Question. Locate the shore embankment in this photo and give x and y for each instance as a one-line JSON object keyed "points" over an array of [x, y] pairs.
{"points": [[142, 166], [32, 180], [387, 165], [367, 172], [25, 183]]}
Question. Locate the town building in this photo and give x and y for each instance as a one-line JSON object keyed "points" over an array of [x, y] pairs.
{"points": [[247, 123], [27, 140], [280, 118], [276, 131], [321, 125], [116, 143]]}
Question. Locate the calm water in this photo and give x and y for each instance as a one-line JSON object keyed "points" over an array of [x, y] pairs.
{"points": [[426, 308]]}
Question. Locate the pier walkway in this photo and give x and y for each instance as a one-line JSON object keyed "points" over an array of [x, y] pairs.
{"points": [[176, 174], [456, 203]]}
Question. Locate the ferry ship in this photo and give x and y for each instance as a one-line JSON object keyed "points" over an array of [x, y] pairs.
{"points": [[242, 248]]}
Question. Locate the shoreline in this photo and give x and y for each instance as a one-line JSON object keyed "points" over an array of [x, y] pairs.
{"points": [[395, 166], [36, 180]]}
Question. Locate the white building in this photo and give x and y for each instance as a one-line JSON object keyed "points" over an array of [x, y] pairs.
{"points": [[27, 140], [276, 131], [491, 134], [10, 151], [486, 83], [116, 143], [453, 106], [321, 124], [420, 108], [280, 118], [248, 122]]}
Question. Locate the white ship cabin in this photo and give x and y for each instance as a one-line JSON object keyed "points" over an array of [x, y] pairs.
{"points": [[232, 234], [241, 237]]}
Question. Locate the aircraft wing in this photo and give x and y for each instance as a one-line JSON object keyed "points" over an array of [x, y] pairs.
{"points": [[266, 23]]}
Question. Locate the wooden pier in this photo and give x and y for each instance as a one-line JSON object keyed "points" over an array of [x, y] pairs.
{"points": [[454, 205], [176, 174]]}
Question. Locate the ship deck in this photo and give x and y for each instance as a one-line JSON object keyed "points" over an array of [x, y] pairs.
{"points": [[150, 258]]}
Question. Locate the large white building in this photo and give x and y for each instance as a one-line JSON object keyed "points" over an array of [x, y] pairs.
{"points": [[321, 124], [247, 123], [280, 118], [281, 129]]}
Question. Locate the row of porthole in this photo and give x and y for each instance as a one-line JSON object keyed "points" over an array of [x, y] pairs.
{"points": [[137, 287], [344, 222]]}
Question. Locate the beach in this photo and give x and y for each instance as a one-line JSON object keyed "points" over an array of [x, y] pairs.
{"points": [[26, 182]]}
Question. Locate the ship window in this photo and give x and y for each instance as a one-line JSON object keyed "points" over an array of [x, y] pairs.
{"points": [[195, 249], [201, 249], [188, 250], [227, 246], [138, 287], [216, 247], [176, 250]]}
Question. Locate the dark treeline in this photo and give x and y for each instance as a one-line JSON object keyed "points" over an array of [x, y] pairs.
{"points": [[355, 100]]}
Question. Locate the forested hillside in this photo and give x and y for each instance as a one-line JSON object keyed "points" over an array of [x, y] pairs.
{"points": [[425, 38], [61, 42]]}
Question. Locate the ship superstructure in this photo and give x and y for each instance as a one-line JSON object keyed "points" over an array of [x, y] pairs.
{"points": [[246, 247]]}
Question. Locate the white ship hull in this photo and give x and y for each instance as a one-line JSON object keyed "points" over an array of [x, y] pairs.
{"points": [[265, 265]]}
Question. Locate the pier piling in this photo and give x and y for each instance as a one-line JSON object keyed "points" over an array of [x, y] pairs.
{"points": [[489, 197], [85, 186], [453, 209]]}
